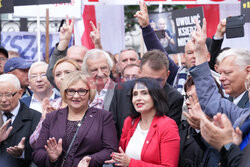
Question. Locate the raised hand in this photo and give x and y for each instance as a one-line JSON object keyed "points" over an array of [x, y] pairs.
{"points": [[142, 15], [199, 39], [194, 114], [54, 149], [17, 151], [65, 34], [4, 132], [221, 29], [46, 107], [95, 35], [84, 162]]}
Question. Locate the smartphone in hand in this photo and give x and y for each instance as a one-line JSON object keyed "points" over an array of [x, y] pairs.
{"points": [[235, 26]]}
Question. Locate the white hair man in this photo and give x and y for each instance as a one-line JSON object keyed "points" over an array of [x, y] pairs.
{"points": [[232, 64], [40, 86], [23, 120], [98, 64]]}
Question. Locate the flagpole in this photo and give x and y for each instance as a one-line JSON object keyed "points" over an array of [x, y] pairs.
{"points": [[38, 34]]}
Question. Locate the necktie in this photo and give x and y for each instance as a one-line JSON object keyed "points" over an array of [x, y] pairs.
{"points": [[8, 115]]}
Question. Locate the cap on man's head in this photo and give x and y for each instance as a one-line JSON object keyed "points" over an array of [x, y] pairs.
{"points": [[4, 51], [16, 63]]}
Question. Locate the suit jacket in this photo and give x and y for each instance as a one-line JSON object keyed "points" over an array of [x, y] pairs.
{"points": [[121, 104], [214, 51], [161, 146], [96, 138], [210, 99], [109, 95], [23, 126], [1, 119], [244, 101]]}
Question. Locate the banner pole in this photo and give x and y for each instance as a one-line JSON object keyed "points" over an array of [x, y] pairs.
{"points": [[38, 34]]}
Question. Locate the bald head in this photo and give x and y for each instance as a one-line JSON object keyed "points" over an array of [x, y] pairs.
{"points": [[77, 53]]}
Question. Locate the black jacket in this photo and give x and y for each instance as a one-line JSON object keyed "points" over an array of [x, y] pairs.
{"points": [[121, 104], [23, 126]]}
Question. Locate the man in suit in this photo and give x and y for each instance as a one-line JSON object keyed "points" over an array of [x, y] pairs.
{"points": [[154, 64], [98, 64], [15, 150], [232, 63]]}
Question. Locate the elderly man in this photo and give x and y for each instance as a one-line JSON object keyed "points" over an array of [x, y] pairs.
{"points": [[19, 67], [39, 85], [3, 58], [154, 64], [97, 63], [15, 150], [220, 134], [233, 75], [76, 52]]}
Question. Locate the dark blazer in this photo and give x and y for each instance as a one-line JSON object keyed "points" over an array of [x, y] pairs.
{"points": [[244, 101], [23, 126], [214, 51], [96, 138], [121, 104]]}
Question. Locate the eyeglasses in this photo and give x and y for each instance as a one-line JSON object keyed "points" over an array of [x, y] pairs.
{"points": [[7, 95], [35, 76], [2, 59], [187, 96], [81, 92]]}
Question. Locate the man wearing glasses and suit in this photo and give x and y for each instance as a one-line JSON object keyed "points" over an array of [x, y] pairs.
{"points": [[15, 150]]}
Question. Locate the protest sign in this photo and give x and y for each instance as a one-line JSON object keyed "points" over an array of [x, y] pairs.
{"points": [[184, 21], [245, 9], [6, 6], [163, 25], [25, 43], [38, 2]]}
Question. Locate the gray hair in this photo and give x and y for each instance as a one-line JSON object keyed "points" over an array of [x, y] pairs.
{"points": [[95, 54], [242, 56], [36, 64], [128, 49], [11, 79]]}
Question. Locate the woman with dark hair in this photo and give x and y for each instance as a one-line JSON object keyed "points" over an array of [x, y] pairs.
{"points": [[149, 137]]}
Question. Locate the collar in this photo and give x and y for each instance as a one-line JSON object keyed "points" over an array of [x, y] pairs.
{"points": [[52, 97], [106, 87], [237, 99], [15, 110]]}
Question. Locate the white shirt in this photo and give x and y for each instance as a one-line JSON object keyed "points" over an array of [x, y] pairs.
{"points": [[37, 105], [136, 143], [13, 112], [98, 101], [237, 99]]}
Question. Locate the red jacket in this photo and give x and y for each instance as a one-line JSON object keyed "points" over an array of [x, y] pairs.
{"points": [[162, 144]]}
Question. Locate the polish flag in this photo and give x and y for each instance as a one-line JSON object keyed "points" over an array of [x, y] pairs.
{"points": [[82, 27], [112, 29]]}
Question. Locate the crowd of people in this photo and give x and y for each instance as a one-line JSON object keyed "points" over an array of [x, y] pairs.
{"points": [[92, 108]]}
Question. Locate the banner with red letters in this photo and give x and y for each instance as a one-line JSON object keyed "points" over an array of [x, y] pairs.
{"points": [[169, 2]]}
